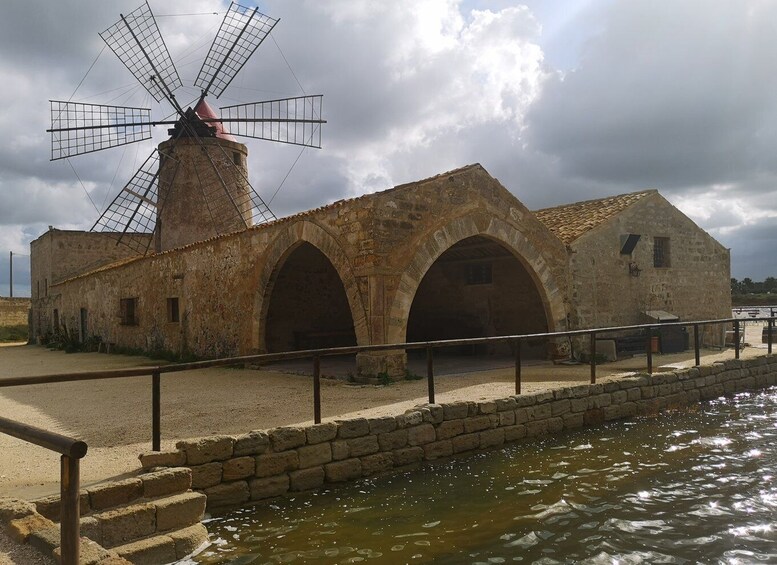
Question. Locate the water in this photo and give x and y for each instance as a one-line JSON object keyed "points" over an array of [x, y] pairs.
{"points": [[689, 487]]}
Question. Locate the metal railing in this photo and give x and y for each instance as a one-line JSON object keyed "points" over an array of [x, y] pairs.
{"points": [[71, 451], [316, 354]]}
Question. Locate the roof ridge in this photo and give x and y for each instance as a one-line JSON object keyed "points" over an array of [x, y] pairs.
{"points": [[596, 200]]}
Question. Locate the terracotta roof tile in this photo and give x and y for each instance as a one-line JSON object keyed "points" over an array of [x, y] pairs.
{"points": [[570, 221]]}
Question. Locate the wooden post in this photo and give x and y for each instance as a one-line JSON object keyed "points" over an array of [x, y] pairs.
{"points": [[593, 358], [736, 339], [770, 328], [517, 366], [317, 389], [430, 373], [649, 350], [69, 510], [156, 412], [696, 344]]}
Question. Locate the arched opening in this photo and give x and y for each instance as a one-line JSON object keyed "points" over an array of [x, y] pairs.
{"points": [[478, 288], [308, 307]]}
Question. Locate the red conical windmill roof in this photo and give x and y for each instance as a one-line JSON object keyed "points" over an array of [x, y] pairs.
{"points": [[204, 111]]}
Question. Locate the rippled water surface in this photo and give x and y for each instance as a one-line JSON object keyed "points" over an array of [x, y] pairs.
{"points": [[696, 486]]}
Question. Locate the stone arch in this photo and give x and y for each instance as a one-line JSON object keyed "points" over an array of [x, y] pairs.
{"points": [[430, 248], [278, 251]]}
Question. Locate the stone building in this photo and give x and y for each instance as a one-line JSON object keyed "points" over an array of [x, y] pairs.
{"points": [[455, 255]]}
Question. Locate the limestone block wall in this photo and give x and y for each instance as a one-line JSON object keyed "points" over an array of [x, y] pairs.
{"points": [[696, 285], [263, 464], [14, 311]]}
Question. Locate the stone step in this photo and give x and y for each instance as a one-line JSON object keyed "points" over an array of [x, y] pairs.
{"points": [[120, 493], [164, 548]]}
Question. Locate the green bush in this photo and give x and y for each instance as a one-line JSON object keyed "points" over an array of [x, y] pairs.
{"points": [[14, 333]]}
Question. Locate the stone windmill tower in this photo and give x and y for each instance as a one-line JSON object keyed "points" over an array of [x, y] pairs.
{"points": [[194, 185]]}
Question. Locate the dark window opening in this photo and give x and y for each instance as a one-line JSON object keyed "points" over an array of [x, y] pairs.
{"points": [[479, 273], [661, 257], [46, 286], [236, 158], [628, 243], [55, 320], [129, 314], [172, 310]]}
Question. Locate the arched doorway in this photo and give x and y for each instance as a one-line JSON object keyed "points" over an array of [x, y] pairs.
{"points": [[477, 288], [308, 307]]}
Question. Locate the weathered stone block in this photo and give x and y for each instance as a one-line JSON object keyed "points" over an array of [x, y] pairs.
{"points": [[578, 404], [536, 428], [392, 440], [633, 394], [238, 468], [321, 433], [477, 424], [488, 407], [409, 419], [46, 540], [560, 407], [115, 494], [436, 413], [306, 479], [449, 429], [286, 438], [204, 476], [152, 459], [455, 410], [523, 400], [124, 525], [19, 529], [228, 494], [313, 455], [340, 471], [188, 540], [360, 446], [382, 425], [465, 442], [357, 427], [514, 433], [207, 449], [377, 463], [573, 420], [599, 401], [167, 481], [271, 464], [438, 449], [268, 487], [506, 418], [340, 450], [92, 554], [419, 435], [492, 438], [180, 510], [555, 424], [252, 443], [521, 416], [11, 508], [505, 404], [408, 456], [158, 549]]}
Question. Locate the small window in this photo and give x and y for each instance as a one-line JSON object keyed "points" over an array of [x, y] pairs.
{"points": [[628, 243], [172, 310], [236, 158], [479, 273], [661, 257], [129, 311]]}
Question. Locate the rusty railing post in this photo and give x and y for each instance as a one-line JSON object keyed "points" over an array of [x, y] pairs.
{"points": [[770, 327], [156, 412], [649, 350], [736, 339], [593, 358], [430, 373], [317, 389], [517, 366], [69, 516], [696, 344]]}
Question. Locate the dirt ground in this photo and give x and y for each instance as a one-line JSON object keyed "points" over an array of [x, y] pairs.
{"points": [[114, 416]]}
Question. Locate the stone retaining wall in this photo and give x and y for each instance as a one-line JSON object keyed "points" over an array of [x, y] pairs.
{"points": [[13, 311], [264, 464]]}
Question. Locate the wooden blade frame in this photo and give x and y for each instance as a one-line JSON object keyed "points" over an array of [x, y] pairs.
{"points": [[78, 128], [296, 121], [242, 31]]}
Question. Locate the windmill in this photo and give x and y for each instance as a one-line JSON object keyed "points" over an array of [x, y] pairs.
{"points": [[194, 185]]}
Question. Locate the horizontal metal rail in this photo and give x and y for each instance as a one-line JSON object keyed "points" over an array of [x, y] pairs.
{"points": [[155, 371], [72, 451]]}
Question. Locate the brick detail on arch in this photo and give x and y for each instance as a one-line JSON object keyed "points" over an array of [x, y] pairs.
{"points": [[430, 248], [272, 261]]}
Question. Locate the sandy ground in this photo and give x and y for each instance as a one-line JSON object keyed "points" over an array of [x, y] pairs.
{"points": [[114, 416]]}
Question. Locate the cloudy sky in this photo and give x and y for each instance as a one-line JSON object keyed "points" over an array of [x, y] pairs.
{"points": [[561, 100]]}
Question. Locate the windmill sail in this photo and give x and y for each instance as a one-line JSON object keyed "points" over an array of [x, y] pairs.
{"points": [[78, 128], [241, 32], [136, 40], [289, 120]]}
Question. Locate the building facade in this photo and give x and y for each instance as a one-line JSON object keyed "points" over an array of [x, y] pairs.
{"points": [[456, 255]]}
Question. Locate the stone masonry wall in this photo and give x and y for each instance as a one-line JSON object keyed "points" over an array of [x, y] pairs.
{"points": [[264, 464], [13, 311], [696, 285]]}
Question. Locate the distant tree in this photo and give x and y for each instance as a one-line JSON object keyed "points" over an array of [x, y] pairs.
{"points": [[736, 286], [770, 284], [747, 285]]}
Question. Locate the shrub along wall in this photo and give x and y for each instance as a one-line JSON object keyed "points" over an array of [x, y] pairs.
{"points": [[263, 464]]}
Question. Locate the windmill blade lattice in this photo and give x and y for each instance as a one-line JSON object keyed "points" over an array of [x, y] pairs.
{"points": [[136, 40], [240, 34], [296, 121], [131, 217], [78, 128]]}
